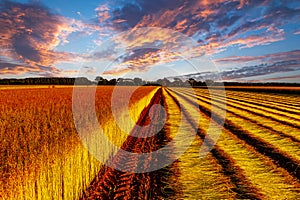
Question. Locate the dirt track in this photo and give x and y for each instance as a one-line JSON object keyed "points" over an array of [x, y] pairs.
{"points": [[114, 184]]}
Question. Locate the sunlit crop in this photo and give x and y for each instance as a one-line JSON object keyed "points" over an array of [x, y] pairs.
{"points": [[41, 155], [256, 155]]}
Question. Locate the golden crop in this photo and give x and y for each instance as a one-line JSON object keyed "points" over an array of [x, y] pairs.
{"points": [[256, 156], [41, 155]]}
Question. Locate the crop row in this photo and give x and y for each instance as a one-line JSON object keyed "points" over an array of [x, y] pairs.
{"points": [[258, 161]]}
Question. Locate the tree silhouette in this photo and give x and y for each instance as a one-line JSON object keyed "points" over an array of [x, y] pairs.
{"points": [[138, 81]]}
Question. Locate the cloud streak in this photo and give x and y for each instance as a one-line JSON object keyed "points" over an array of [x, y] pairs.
{"points": [[290, 55], [280, 78], [247, 71]]}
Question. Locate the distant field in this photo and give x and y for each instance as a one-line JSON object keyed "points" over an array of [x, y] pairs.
{"points": [[257, 155], [268, 89], [8, 87], [265, 87]]}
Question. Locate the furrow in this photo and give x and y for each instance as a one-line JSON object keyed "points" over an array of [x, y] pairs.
{"points": [[258, 160], [279, 117], [241, 186], [265, 123]]}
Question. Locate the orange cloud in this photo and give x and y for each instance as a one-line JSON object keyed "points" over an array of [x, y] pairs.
{"points": [[215, 45], [102, 13], [215, 25], [29, 35], [143, 62], [151, 46], [255, 40]]}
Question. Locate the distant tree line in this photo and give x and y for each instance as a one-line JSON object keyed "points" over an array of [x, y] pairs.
{"points": [[46, 81], [177, 82]]}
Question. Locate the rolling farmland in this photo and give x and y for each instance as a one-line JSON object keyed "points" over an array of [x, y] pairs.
{"points": [[256, 155]]}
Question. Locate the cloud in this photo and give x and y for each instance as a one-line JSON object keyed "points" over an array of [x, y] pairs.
{"points": [[20, 68], [290, 55], [262, 69], [138, 50], [30, 32], [215, 25], [267, 64], [12, 68], [188, 16], [29, 35], [281, 78], [89, 70], [247, 71], [138, 60], [297, 32], [102, 13]]}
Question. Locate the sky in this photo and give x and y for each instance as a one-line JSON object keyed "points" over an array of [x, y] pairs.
{"points": [[237, 40]]}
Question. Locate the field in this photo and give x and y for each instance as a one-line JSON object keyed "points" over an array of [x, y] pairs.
{"points": [[41, 155], [258, 150], [254, 137]]}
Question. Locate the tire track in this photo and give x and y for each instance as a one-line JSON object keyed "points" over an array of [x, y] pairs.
{"points": [[113, 184]]}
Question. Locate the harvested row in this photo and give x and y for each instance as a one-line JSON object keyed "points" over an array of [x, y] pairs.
{"points": [[282, 106], [277, 99], [289, 93], [198, 178], [284, 101], [258, 168], [274, 114], [268, 124], [282, 144], [279, 107], [271, 125], [275, 111], [239, 183]]}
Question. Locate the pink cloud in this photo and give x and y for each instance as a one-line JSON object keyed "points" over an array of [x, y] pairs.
{"points": [[29, 35]]}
